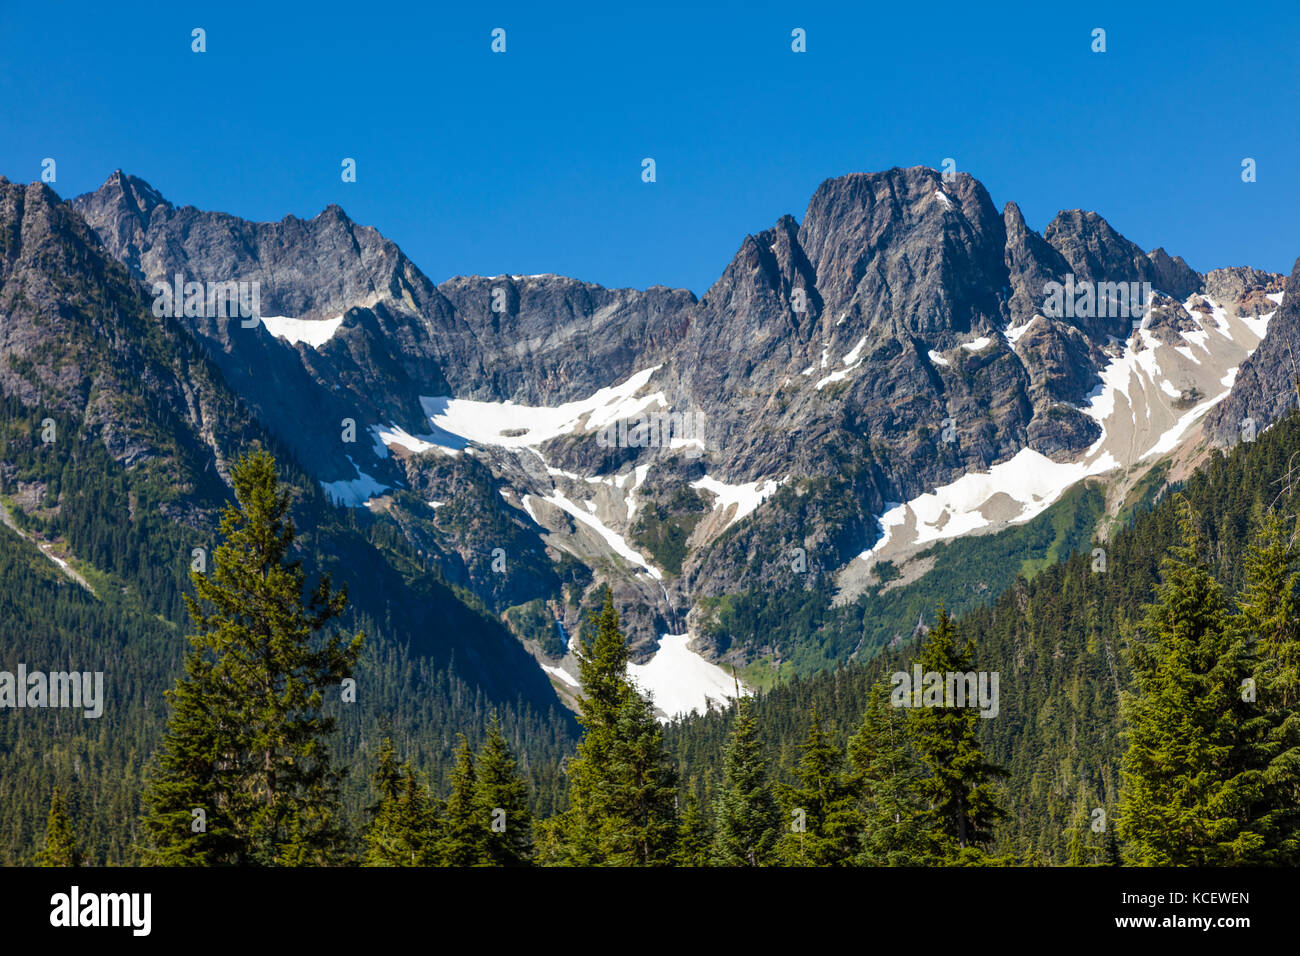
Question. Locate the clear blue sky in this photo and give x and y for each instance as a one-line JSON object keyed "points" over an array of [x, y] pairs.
{"points": [[530, 161]]}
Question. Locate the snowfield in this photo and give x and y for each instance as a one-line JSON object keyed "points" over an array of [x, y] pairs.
{"points": [[313, 332], [354, 493], [745, 498], [458, 421], [681, 681], [1146, 403]]}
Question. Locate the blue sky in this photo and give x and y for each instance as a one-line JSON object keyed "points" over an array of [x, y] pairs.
{"points": [[530, 161]]}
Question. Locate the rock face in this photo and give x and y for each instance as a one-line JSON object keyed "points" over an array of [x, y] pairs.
{"points": [[896, 338], [1266, 385], [80, 342]]}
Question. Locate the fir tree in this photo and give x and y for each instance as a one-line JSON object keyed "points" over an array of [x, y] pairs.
{"points": [[693, 839], [821, 810], [748, 818], [1078, 850], [957, 786], [888, 775], [1265, 793], [244, 775], [640, 826], [1180, 718], [61, 846], [622, 787], [501, 797], [403, 829], [463, 840]]}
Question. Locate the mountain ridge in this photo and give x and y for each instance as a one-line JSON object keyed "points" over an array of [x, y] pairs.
{"points": [[890, 343]]}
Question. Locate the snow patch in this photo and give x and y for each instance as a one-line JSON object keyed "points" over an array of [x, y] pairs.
{"points": [[679, 681], [356, 492], [937, 359], [745, 497], [313, 332], [458, 421], [616, 542]]}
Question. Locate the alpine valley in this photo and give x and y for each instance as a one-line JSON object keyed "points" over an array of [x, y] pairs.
{"points": [[874, 410]]}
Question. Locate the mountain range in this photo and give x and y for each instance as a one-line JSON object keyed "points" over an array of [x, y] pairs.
{"points": [[891, 373]]}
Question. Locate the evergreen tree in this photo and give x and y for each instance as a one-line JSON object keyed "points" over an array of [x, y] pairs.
{"points": [[463, 840], [1265, 793], [888, 775], [501, 798], [693, 839], [403, 829], [641, 825], [821, 810], [1181, 718], [245, 775], [61, 846], [957, 787], [1078, 847], [748, 818], [622, 786]]}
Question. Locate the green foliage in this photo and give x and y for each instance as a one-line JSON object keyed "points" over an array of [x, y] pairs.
{"points": [[748, 820], [663, 530], [887, 780], [820, 808], [61, 847], [246, 742], [405, 823], [501, 803], [957, 787], [622, 786]]}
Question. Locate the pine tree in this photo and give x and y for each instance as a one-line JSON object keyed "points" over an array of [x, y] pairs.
{"points": [[1180, 718], [693, 838], [1264, 794], [622, 786], [748, 818], [821, 810], [641, 825], [61, 847], [404, 826], [244, 775], [957, 786], [1078, 850], [463, 840], [888, 775], [501, 798]]}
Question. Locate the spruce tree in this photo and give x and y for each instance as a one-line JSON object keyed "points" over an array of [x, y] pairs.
{"points": [[244, 775], [463, 838], [748, 820], [958, 782], [61, 846], [501, 797], [1264, 794], [821, 818], [404, 825], [891, 812], [622, 786], [693, 839], [1180, 718]]}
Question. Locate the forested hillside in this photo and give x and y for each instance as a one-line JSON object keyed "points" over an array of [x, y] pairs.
{"points": [[115, 434], [1061, 644]]}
